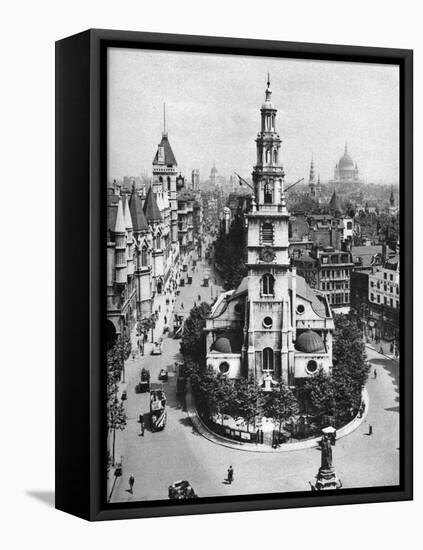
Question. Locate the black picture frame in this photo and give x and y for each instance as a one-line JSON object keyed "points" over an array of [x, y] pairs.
{"points": [[80, 227]]}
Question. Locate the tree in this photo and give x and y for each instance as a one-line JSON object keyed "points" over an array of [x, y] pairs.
{"points": [[339, 395], [193, 339], [247, 401], [280, 405], [116, 415], [321, 394], [116, 420]]}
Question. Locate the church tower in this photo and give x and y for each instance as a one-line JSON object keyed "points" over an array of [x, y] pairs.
{"points": [[164, 181], [312, 180], [268, 346]]}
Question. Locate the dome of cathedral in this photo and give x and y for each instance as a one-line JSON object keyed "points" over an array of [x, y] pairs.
{"points": [[222, 345], [346, 162], [309, 342]]}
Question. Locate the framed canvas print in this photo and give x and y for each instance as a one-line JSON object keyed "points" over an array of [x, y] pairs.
{"points": [[233, 332]]}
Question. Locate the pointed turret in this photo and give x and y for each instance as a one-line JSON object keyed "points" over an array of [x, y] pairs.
{"points": [[164, 154], [151, 210], [139, 221], [120, 219], [335, 203]]}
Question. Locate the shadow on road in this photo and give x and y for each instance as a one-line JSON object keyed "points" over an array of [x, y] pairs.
{"points": [[392, 368]]}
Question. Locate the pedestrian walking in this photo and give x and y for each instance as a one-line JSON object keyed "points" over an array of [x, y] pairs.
{"points": [[230, 475], [165, 320], [370, 429], [375, 373], [142, 424], [199, 298], [182, 306], [381, 350], [131, 484]]}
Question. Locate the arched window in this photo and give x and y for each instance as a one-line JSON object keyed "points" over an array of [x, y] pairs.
{"points": [[268, 359], [158, 241], [144, 256], [267, 233], [268, 195], [160, 179], [168, 183], [267, 284]]}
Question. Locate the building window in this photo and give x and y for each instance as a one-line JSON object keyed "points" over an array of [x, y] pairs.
{"points": [[267, 284], [385, 300], [378, 298], [324, 259], [144, 256], [267, 322], [311, 366], [384, 276], [372, 297], [224, 367], [268, 198], [300, 309], [168, 183], [267, 233], [267, 359], [158, 241]]}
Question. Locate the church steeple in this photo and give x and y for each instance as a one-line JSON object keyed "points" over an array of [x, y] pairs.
{"points": [[312, 179], [268, 174]]}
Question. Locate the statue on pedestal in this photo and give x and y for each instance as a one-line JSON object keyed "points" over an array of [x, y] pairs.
{"points": [[326, 477]]}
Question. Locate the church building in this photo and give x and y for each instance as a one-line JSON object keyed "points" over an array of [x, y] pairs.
{"points": [[273, 327], [346, 175]]}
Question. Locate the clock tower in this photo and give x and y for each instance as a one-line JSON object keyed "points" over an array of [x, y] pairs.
{"points": [[268, 340]]}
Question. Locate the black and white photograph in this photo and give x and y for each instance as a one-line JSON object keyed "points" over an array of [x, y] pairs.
{"points": [[253, 275]]}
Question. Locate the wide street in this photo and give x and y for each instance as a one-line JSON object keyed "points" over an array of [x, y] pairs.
{"points": [[179, 452]]}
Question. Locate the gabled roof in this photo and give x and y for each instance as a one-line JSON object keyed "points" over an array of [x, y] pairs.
{"points": [[169, 157], [151, 210], [139, 221]]}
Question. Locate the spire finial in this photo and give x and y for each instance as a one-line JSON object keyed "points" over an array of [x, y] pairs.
{"points": [[346, 147], [268, 90]]}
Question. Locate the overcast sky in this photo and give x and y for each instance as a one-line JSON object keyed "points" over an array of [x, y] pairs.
{"points": [[213, 102]]}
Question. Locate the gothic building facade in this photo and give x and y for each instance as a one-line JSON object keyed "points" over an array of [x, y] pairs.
{"points": [[273, 327]]}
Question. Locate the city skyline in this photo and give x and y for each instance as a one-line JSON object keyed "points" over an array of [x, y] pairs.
{"points": [[365, 115]]}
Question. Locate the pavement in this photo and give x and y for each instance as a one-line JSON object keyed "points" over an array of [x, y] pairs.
{"points": [[181, 452]]}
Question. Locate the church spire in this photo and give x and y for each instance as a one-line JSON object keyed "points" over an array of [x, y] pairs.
{"points": [[312, 177], [164, 120]]}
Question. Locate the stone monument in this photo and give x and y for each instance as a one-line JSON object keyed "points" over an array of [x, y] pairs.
{"points": [[326, 477]]}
